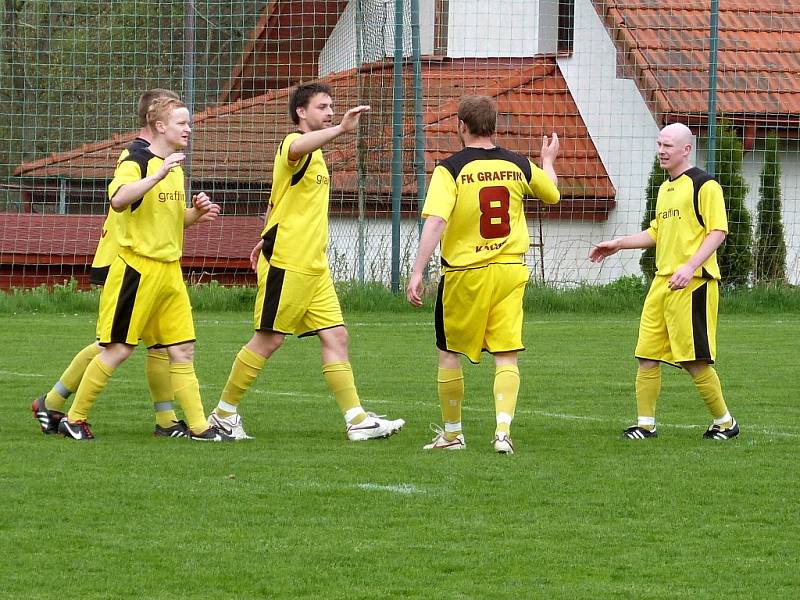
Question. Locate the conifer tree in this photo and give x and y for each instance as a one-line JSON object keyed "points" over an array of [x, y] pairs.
{"points": [[735, 256], [770, 260]]}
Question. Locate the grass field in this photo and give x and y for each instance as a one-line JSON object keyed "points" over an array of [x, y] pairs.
{"points": [[301, 513]]}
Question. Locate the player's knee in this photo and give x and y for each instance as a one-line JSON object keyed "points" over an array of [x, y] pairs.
{"points": [[265, 343], [335, 338], [181, 353], [115, 354]]}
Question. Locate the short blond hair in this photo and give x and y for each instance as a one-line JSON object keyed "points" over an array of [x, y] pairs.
{"points": [[160, 109], [147, 98]]}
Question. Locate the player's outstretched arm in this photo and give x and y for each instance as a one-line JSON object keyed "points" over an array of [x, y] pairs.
{"points": [[602, 250], [431, 234], [313, 140], [203, 210]]}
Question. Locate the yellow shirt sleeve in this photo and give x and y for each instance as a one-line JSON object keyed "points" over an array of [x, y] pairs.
{"points": [[652, 231], [128, 171], [441, 196], [712, 207], [543, 187], [282, 156]]}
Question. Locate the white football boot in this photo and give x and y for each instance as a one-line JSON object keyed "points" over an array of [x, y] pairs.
{"points": [[440, 442], [502, 444], [374, 427], [231, 426]]}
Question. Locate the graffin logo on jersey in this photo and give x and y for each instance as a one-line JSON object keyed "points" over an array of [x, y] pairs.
{"points": [[178, 195], [669, 213]]}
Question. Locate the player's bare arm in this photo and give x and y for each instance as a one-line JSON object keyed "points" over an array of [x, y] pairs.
{"points": [[683, 275], [313, 140], [602, 250], [549, 153], [431, 234], [131, 192], [256, 251], [203, 210]]}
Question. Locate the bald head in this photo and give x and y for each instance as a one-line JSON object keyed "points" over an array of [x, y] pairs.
{"points": [[679, 133], [674, 147]]}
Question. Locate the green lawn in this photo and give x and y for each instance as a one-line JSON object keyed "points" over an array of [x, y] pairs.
{"points": [[299, 512]]}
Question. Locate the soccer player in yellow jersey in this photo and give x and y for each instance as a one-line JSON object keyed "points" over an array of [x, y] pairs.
{"points": [[48, 408], [474, 206], [144, 295], [295, 288], [679, 317]]}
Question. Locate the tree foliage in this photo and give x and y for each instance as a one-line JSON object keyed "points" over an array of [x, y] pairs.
{"points": [[770, 259], [71, 71], [657, 176], [735, 256]]}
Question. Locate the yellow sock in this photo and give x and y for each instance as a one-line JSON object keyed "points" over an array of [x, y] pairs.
{"points": [[186, 390], [648, 388], [707, 383], [450, 388], [506, 389], [71, 378], [246, 367], [93, 381], [339, 377], [156, 368]]}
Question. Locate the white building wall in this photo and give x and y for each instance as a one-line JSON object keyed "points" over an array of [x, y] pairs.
{"points": [[624, 132], [479, 28]]}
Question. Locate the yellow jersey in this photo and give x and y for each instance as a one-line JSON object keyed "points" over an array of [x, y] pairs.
{"points": [[107, 245], [480, 192], [688, 208], [152, 226], [296, 234]]}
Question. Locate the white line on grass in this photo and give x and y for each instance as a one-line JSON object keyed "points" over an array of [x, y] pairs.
{"points": [[14, 374], [402, 488]]}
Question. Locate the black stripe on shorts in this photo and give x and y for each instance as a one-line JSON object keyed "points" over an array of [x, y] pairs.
{"points": [[272, 296], [98, 275], [124, 311], [438, 318], [700, 323]]}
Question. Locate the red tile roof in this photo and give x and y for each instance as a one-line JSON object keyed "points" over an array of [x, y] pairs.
{"points": [[237, 141], [284, 47], [666, 45]]}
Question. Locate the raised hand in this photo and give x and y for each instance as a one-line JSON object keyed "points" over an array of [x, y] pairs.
{"points": [[173, 160], [550, 147], [351, 117]]}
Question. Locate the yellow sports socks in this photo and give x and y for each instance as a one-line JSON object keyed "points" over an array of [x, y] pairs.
{"points": [[156, 369], [246, 367], [707, 383], [339, 377], [506, 390], [186, 390], [648, 388], [92, 383], [450, 387], [71, 378]]}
